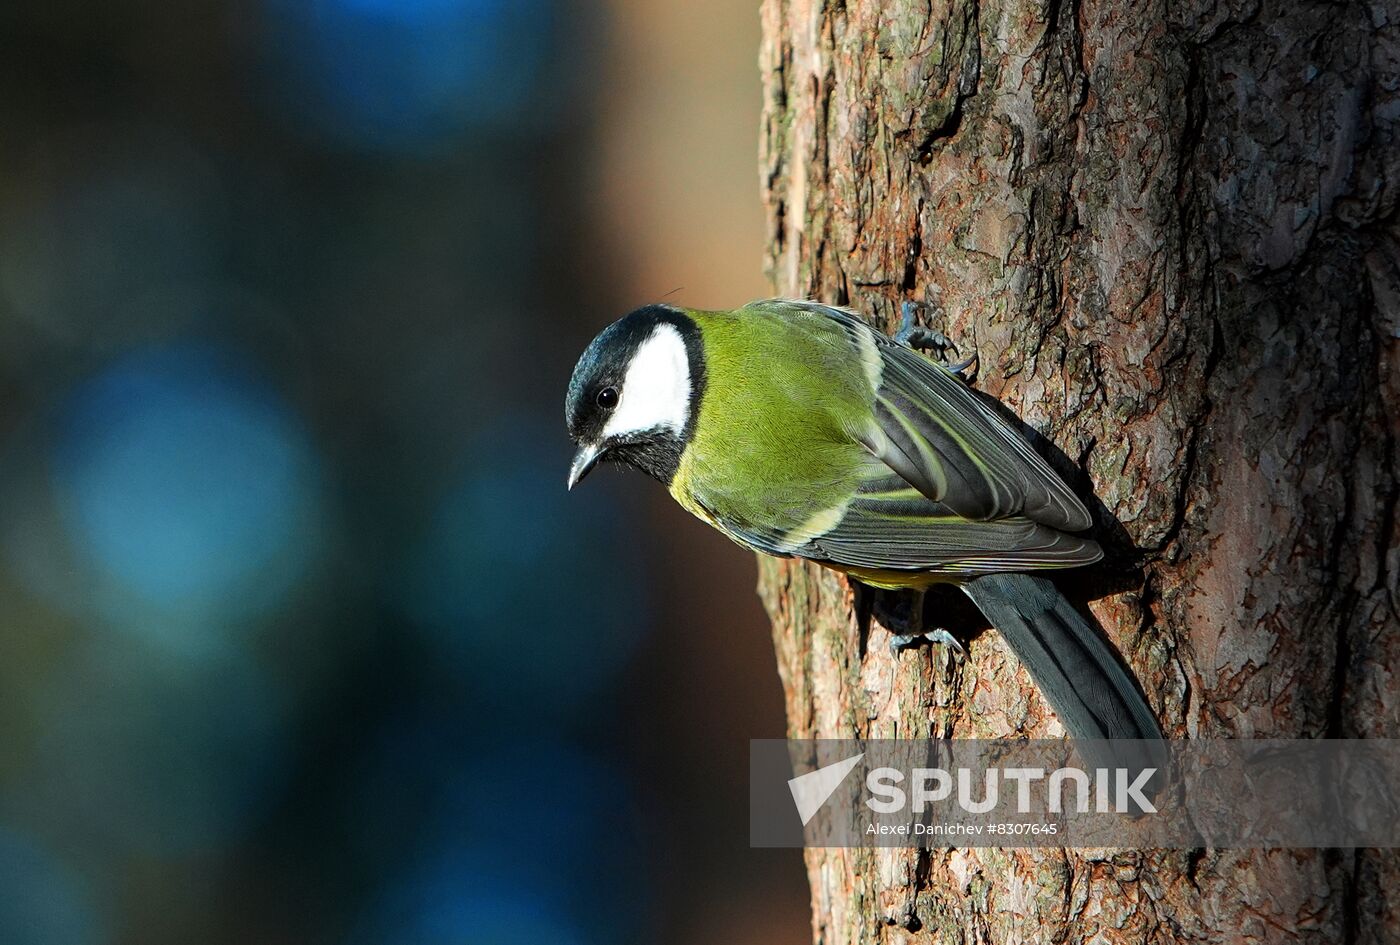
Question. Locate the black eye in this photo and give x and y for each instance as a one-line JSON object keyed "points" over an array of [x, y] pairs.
{"points": [[607, 398]]}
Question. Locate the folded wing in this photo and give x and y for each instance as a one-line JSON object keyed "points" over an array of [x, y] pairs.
{"points": [[963, 492], [890, 525], [937, 435]]}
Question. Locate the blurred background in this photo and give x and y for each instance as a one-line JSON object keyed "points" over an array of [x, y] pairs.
{"points": [[301, 638]]}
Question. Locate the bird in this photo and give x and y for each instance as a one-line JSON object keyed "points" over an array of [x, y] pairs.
{"points": [[798, 430]]}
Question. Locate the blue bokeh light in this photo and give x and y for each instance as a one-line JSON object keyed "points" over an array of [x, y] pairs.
{"points": [[184, 480], [43, 902], [407, 75], [464, 900], [535, 594], [483, 815]]}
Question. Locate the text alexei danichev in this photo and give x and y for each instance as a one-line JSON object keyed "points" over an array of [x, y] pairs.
{"points": [[962, 830]]}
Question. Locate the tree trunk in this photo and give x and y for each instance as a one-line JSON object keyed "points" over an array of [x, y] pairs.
{"points": [[1169, 231]]}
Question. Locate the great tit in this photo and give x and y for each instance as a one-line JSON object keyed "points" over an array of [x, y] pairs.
{"points": [[799, 431]]}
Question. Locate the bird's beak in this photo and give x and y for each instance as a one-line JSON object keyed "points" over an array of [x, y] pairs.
{"points": [[584, 460]]}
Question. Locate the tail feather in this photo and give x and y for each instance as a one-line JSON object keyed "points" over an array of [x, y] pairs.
{"points": [[1081, 677]]}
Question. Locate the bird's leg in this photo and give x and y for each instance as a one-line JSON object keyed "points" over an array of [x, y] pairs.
{"points": [[911, 335], [926, 339], [911, 622]]}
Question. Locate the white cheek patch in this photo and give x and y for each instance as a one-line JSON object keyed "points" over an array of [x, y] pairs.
{"points": [[656, 389]]}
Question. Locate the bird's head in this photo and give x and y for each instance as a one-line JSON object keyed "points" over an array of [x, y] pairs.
{"points": [[635, 393]]}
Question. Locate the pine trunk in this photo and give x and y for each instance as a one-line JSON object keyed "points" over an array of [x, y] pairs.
{"points": [[1169, 232]]}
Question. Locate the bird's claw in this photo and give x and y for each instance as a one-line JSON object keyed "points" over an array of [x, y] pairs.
{"points": [[911, 335], [963, 365], [938, 636], [941, 637]]}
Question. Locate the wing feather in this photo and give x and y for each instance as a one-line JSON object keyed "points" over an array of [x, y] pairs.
{"points": [[900, 531], [989, 469], [941, 438], [957, 490]]}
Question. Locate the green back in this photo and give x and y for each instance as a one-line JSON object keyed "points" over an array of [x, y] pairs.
{"points": [[775, 443], [821, 438]]}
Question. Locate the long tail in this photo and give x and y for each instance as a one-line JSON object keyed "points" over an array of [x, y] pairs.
{"points": [[1081, 677]]}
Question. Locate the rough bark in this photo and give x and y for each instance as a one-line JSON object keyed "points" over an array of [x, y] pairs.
{"points": [[1169, 230]]}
